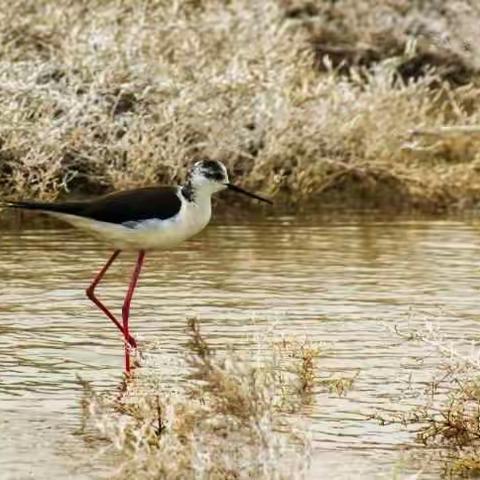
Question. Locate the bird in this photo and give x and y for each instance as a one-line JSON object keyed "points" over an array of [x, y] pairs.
{"points": [[143, 219]]}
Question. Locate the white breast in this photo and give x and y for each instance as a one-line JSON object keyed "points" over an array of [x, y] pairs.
{"points": [[148, 234]]}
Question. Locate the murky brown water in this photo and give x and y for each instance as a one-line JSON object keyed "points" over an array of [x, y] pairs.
{"points": [[337, 280]]}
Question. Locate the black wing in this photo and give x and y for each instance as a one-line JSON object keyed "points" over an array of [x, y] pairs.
{"points": [[119, 207]]}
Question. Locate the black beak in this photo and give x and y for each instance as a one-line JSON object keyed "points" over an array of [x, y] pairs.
{"points": [[241, 190]]}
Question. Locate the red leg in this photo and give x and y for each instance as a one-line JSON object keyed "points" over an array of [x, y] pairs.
{"points": [[128, 301], [91, 295]]}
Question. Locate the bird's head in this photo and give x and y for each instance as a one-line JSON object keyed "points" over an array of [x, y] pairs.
{"points": [[208, 175], [211, 176]]}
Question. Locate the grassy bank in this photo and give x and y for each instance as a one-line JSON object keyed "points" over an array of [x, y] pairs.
{"points": [[312, 102]]}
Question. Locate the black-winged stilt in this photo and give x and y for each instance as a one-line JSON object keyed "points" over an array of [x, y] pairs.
{"points": [[144, 219]]}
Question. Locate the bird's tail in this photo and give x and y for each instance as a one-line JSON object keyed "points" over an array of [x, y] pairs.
{"points": [[66, 207]]}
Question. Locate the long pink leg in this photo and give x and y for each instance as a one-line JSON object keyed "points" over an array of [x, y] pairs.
{"points": [[128, 301], [91, 295]]}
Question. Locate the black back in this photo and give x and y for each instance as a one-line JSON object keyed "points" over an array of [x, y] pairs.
{"points": [[120, 207]]}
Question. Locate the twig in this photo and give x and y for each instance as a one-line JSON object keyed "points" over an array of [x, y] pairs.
{"points": [[447, 131]]}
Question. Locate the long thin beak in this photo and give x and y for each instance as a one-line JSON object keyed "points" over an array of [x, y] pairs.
{"points": [[241, 190]]}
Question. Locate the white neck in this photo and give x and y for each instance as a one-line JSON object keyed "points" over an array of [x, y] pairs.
{"points": [[196, 209]]}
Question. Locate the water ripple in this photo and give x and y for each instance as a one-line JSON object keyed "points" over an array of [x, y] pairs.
{"points": [[338, 282]]}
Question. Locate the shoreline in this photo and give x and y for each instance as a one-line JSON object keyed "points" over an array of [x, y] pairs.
{"points": [[309, 103], [12, 220]]}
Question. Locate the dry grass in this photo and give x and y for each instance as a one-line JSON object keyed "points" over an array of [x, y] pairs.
{"points": [[307, 100], [446, 419], [365, 33], [233, 416]]}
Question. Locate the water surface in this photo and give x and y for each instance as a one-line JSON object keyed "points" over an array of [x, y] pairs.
{"points": [[339, 280]]}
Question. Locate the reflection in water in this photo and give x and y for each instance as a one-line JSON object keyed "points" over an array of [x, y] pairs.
{"points": [[337, 281]]}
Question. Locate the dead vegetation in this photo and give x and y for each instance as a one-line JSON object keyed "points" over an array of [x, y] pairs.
{"points": [[231, 415], [446, 418], [363, 34], [310, 101]]}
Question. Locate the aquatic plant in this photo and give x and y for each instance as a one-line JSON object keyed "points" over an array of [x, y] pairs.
{"points": [[306, 100], [446, 417], [231, 415]]}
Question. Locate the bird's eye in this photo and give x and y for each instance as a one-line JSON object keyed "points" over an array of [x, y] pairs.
{"points": [[214, 175]]}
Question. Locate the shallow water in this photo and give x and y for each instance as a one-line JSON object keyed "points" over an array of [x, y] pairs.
{"points": [[339, 280]]}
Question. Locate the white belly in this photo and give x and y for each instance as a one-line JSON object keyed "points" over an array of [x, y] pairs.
{"points": [[146, 234]]}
